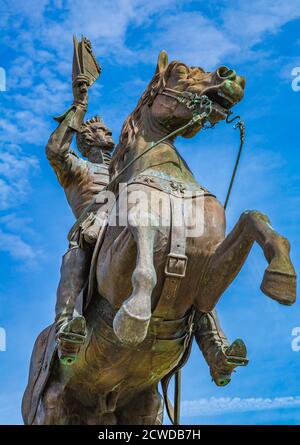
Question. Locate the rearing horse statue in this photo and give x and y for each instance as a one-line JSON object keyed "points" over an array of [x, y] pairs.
{"points": [[151, 276]]}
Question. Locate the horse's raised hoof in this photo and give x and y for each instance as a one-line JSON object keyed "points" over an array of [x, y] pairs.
{"points": [[279, 286], [130, 328]]}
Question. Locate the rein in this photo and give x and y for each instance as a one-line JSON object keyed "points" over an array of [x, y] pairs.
{"points": [[201, 107], [241, 126]]}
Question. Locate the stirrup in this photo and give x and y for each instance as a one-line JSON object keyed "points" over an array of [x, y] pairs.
{"points": [[70, 339], [235, 355]]}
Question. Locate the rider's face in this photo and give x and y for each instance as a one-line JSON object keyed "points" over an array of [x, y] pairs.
{"points": [[102, 136]]}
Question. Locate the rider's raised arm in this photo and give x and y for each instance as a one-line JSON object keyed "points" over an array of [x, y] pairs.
{"points": [[58, 150]]}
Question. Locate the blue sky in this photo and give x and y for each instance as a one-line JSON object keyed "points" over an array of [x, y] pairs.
{"points": [[261, 40]]}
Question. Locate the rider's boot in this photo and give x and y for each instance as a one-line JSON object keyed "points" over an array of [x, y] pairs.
{"points": [[70, 329], [221, 357], [70, 338]]}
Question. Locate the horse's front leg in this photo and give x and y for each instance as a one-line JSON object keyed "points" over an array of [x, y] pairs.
{"points": [[279, 280], [132, 319]]}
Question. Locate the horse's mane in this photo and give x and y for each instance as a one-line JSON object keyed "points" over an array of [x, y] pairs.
{"points": [[133, 122]]}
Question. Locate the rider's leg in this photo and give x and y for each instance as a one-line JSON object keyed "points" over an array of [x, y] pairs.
{"points": [[73, 275], [221, 357], [71, 330]]}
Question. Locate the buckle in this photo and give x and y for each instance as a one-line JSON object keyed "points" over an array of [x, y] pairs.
{"points": [[176, 268]]}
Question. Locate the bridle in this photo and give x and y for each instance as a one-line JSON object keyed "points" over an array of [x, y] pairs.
{"points": [[201, 107], [196, 103]]}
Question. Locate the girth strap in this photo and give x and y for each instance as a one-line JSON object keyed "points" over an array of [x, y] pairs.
{"points": [[176, 263], [175, 270]]}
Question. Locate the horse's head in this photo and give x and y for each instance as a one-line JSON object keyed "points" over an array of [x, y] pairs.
{"points": [[176, 81], [160, 109]]}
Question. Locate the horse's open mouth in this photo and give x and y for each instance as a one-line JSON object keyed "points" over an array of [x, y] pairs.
{"points": [[225, 95], [218, 97]]}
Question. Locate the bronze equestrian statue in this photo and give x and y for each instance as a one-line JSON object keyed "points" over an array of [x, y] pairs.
{"points": [[82, 180], [156, 287]]}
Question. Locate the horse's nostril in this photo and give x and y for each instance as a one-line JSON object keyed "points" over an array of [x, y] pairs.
{"points": [[226, 73]]}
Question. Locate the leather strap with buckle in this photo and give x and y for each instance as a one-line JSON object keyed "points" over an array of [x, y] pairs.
{"points": [[176, 263]]}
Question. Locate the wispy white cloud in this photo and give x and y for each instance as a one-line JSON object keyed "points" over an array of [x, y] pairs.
{"points": [[16, 169], [16, 223], [250, 22], [223, 405], [199, 42], [17, 239], [16, 247]]}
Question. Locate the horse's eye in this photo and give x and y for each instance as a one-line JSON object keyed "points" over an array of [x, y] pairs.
{"points": [[182, 70]]}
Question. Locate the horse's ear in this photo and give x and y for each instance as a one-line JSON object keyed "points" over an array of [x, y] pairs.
{"points": [[162, 61]]}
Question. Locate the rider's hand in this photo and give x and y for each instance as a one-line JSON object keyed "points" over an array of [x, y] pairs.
{"points": [[91, 233], [80, 90]]}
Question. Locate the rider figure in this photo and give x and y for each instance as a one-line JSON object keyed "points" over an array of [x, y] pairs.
{"points": [[82, 180]]}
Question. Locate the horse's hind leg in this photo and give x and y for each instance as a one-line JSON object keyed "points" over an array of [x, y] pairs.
{"points": [[279, 280], [146, 408], [132, 320]]}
